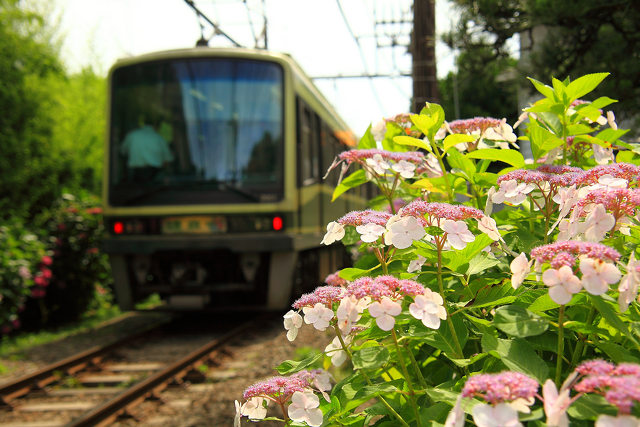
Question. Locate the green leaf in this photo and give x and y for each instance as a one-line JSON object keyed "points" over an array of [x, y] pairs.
{"points": [[617, 353], [542, 141], [481, 262], [517, 355], [602, 102], [628, 157], [583, 85], [388, 143], [512, 157], [590, 407], [611, 135], [367, 140], [458, 261], [443, 340], [370, 357], [609, 313], [291, 366], [542, 88], [494, 295], [356, 179], [518, 321], [457, 138], [414, 142], [351, 273], [458, 161]]}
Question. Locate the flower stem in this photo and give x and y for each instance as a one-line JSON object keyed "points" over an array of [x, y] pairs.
{"points": [[560, 346], [577, 352], [367, 379], [405, 372], [459, 354]]}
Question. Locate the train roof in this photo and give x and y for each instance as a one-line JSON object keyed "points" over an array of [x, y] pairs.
{"points": [[345, 134]]}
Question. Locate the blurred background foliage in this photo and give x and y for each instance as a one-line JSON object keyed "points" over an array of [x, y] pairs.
{"points": [[51, 139]]}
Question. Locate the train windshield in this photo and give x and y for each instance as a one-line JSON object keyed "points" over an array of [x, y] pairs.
{"points": [[196, 131]]}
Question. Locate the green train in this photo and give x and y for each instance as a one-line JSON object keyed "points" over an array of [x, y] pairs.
{"points": [[213, 189]]}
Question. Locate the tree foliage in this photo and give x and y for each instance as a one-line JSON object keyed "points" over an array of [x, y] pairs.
{"points": [[51, 126], [579, 37]]}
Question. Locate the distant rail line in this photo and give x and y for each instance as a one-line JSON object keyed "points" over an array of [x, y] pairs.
{"points": [[95, 369]]}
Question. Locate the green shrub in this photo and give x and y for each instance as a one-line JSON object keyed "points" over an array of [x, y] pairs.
{"points": [[24, 271], [79, 270]]}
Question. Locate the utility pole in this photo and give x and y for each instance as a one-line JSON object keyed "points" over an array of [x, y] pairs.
{"points": [[423, 51]]}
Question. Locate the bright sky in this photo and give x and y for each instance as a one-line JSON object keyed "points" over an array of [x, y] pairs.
{"points": [[97, 32]]}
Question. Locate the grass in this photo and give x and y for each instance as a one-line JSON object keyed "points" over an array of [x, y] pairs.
{"points": [[12, 347]]}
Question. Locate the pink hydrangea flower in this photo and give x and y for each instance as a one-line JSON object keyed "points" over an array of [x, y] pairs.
{"points": [[458, 234], [562, 284], [304, 408], [384, 312], [520, 269], [402, 231], [429, 309], [502, 387], [597, 275]]}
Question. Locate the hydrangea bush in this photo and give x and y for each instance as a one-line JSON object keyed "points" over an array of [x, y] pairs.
{"points": [[491, 290]]}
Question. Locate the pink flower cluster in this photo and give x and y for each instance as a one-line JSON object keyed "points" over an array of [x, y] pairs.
{"points": [[562, 253], [621, 202], [368, 216], [503, 387], [559, 176], [384, 286], [420, 208], [279, 389], [334, 279], [359, 156], [620, 385], [325, 295], [616, 170], [476, 124]]}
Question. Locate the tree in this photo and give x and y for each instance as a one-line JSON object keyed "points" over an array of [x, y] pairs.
{"points": [[579, 37], [27, 59]]}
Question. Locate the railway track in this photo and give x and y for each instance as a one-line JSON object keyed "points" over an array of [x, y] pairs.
{"points": [[109, 388]]}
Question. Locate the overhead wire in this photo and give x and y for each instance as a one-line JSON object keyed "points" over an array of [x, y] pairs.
{"points": [[362, 57]]}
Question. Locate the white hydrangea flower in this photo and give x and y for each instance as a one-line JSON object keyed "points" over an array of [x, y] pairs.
{"points": [[348, 313], [500, 415], [254, 409], [512, 192], [379, 130], [597, 223], [304, 408], [619, 421], [416, 264], [336, 352], [402, 231], [384, 312], [238, 416], [428, 308], [378, 164], [556, 404], [370, 232], [520, 269], [611, 120], [458, 234], [335, 232], [597, 275], [405, 169], [489, 227], [319, 316], [602, 156], [292, 322], [456, 417], [628, 287], [562, 284]]}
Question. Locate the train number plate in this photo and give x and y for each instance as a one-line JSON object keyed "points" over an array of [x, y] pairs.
{"points": [[194, 225]]}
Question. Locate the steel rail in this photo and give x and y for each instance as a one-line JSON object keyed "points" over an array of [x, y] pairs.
{"points": [[121, 404], [48, 374]]}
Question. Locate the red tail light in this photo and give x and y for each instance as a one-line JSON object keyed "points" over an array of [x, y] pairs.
{"points": [[277, 223], [118, 227]]}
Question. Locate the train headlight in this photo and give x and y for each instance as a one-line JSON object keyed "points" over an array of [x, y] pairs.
{"points": [[118, 227]]}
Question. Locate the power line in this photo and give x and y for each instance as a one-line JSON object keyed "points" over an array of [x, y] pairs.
{"points": [[216, 27]]}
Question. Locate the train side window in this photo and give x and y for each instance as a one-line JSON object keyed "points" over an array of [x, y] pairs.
{"points": [[308, 156]]}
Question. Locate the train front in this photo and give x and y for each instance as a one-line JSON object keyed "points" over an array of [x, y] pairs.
{"points": [[195, 196]]}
